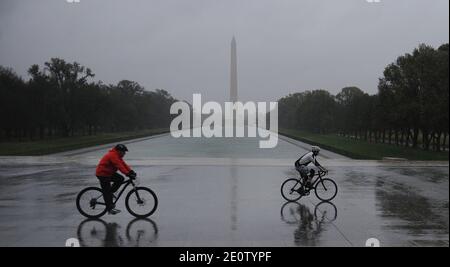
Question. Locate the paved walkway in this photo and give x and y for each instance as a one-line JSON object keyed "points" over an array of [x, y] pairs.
{"points": [[216, 192]]}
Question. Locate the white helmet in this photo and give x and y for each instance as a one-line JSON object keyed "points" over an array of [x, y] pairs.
{"points": [[315, 149]]}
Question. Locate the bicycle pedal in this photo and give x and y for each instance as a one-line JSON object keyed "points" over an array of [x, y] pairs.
{"points": [[92, 203]]}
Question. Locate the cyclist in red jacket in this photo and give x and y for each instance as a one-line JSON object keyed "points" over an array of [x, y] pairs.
{"points": [[106, 172]]}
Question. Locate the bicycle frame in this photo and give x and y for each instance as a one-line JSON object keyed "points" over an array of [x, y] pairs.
{"points": [[314, 182], [126, 183], [318, 179]]}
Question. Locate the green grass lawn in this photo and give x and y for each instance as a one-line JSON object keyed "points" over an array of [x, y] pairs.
{"points": [[44, 147], [358, 149]]}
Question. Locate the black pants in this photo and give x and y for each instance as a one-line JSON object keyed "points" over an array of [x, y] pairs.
{"points": [[108, 189], [304, 172]]}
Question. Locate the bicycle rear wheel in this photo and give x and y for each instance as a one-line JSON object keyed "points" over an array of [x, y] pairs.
{"points": [[290, 189], [141, 202], [90, 203], [92, 233], [326, 190], [290, 212]]}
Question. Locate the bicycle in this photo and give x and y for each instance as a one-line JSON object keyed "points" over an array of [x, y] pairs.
{"points": [[141, 202], [325, 189]]}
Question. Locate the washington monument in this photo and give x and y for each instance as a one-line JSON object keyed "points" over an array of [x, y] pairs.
{"points": [[233, 73]]}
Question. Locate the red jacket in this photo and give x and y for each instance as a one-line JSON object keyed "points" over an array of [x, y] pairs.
{"points": [[110, 163]]}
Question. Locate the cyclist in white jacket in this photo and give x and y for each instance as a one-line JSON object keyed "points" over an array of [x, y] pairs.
{"points": [[301, 165]]}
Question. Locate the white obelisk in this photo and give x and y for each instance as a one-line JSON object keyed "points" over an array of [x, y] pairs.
{"points": [[233, 73]]}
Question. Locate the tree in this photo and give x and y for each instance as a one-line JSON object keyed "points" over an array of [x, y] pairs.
{"points": [[412, 101], [416, 86], [60, 101], [13, 108], [354, 110]]}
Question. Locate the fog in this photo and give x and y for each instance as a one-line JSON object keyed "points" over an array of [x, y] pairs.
{"points": [[183, 46]]}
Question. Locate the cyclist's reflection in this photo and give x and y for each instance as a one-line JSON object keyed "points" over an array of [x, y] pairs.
{"points": [[98, 233], [142, 232], [112, 238], [309, 225]]}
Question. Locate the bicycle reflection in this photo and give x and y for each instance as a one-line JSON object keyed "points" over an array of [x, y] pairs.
{"points": [[98, 233], [310, 225]]}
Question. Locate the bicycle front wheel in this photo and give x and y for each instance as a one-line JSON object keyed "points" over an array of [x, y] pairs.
{"points": [[142, 232], [290, 189], [326, 189], [90, 203], [141, 202]]}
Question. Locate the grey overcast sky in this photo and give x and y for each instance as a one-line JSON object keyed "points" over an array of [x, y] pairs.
{"points": [[183, 46]]}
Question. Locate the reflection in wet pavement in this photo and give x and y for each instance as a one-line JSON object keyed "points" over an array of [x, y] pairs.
{"points": [[229, 205], [310, 224], [98, 233]]}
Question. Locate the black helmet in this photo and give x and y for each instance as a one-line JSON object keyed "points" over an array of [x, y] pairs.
{"points": [[121, 147]]}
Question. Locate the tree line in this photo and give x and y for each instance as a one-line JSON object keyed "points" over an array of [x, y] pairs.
{"points": [[411, 107], [61, 100]]}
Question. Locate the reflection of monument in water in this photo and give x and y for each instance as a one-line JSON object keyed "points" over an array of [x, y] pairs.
{"points": [[233, 99]]}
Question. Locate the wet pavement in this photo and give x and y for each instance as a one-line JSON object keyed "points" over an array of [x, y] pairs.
{"points": [[226, 192]]}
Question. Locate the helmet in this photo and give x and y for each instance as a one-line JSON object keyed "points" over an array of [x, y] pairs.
{"points": [[121, 147], [315, 149]]}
